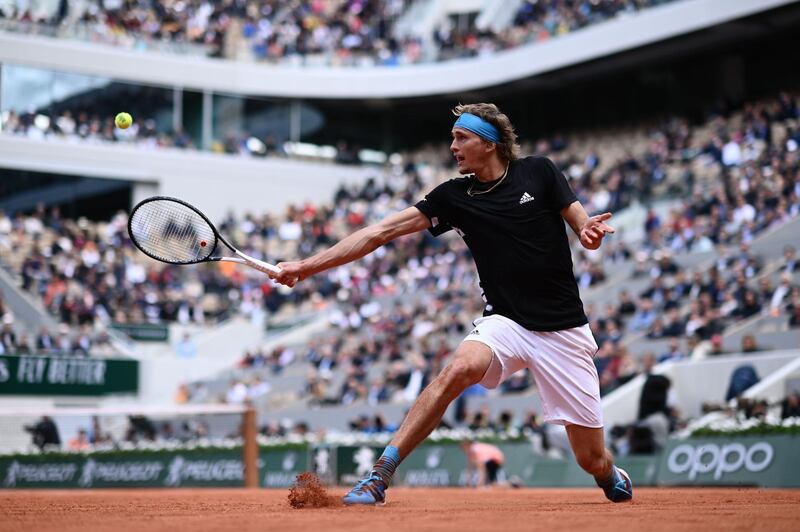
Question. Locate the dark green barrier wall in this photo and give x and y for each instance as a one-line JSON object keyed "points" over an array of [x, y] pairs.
{"points": [[67, 375]]}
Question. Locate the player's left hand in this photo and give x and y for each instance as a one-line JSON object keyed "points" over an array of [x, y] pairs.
{"points": [[594, 230]]}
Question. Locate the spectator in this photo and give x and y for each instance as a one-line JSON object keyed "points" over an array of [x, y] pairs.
{"points": [[45, 342], [8, 338], [257, 388], [656, 413], [626, 305], [716, 346], [791, 263], [644, 316], [378, 392], [742, 378], [186, 348], [80, 442], [183, 394], [237, 393], [655, 392], [749, 344], [675, 325], [24, 345], [790, 407], [517, 383], [794, 319], [44, 433], [780, 293], [673, 352], [750, 305]]}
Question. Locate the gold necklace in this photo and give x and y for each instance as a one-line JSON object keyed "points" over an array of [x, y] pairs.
{"points": [[471, 194]]}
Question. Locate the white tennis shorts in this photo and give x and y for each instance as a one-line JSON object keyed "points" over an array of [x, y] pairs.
{"points": [[560, 361]]}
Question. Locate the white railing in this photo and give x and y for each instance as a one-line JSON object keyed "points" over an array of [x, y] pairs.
{"points": [[214, 182]]}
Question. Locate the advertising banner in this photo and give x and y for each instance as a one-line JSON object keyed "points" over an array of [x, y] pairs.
{"points": [[129, 470], [67, 375], [144, 332], [748, 460], [217, 468], [772, 461], [278, 468], [446, 465], [354, 462]]}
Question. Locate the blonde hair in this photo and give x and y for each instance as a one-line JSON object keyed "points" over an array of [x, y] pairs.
{"points": [[507, 148]]}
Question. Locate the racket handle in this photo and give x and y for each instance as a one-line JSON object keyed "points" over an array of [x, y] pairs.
{"points": [[259, 265], [262, 266]]}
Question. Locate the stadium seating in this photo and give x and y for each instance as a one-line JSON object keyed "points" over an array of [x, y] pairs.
{"points": [[336, 32]]}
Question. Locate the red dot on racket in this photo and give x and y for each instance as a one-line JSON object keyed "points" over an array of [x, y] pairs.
{"points": [[202, 243]]}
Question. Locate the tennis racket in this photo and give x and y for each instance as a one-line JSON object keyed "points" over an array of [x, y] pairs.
{"points": [[172, 231]]}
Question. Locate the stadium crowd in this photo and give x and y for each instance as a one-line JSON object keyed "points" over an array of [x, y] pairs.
{"points": [[333, 32], [79, 341], [88, 276]]}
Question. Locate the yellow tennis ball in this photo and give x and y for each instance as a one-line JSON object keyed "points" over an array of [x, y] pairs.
{"points": [[123, 120]]}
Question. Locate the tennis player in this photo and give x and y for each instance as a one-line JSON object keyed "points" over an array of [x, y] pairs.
{"points": [[510, 211]]}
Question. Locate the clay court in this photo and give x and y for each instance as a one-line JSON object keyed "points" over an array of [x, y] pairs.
{"points": [[408, 509]]}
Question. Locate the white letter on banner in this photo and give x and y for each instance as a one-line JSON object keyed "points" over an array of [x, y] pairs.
{"points": [[698, 466], [673, 462], [27, 370], [754, 466], [729, 467]]}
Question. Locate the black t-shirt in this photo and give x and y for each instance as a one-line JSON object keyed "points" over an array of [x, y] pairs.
{"points": [[518, 240]]}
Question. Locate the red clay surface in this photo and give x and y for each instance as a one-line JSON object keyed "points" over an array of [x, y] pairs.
{"points": [[240, 510]]}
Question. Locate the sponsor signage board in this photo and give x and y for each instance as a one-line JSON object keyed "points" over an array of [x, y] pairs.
{"points": [[220, 468], [748, 460], [144, 332], [725, 461], [67, 375]]}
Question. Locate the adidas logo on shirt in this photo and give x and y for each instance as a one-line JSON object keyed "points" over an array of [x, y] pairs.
{"points": [[525, 198]]}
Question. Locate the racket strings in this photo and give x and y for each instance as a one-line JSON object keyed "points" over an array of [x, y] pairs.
{"points": [[172, 232]]}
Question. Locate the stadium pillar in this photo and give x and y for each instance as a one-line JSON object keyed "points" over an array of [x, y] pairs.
{"points": [[208, 119], [1, 94], [295, 124], [177, 109], [250, 449]]}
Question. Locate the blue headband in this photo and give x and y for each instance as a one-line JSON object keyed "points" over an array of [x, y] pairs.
{"points": [[479, 126]]}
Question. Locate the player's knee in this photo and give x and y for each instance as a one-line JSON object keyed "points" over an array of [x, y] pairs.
{"points": [[461, 373]]}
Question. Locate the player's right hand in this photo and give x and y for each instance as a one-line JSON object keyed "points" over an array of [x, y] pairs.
{"points": [[290, 274]]}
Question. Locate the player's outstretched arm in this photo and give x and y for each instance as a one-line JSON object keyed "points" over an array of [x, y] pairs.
{"points": [[354, 246], [590, 229]]}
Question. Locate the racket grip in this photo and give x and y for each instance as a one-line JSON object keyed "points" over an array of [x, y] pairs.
{"points": [[256, 264], [262, 266]]}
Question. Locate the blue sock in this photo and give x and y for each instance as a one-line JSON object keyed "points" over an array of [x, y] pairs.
{"points": [[387, 463]]}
